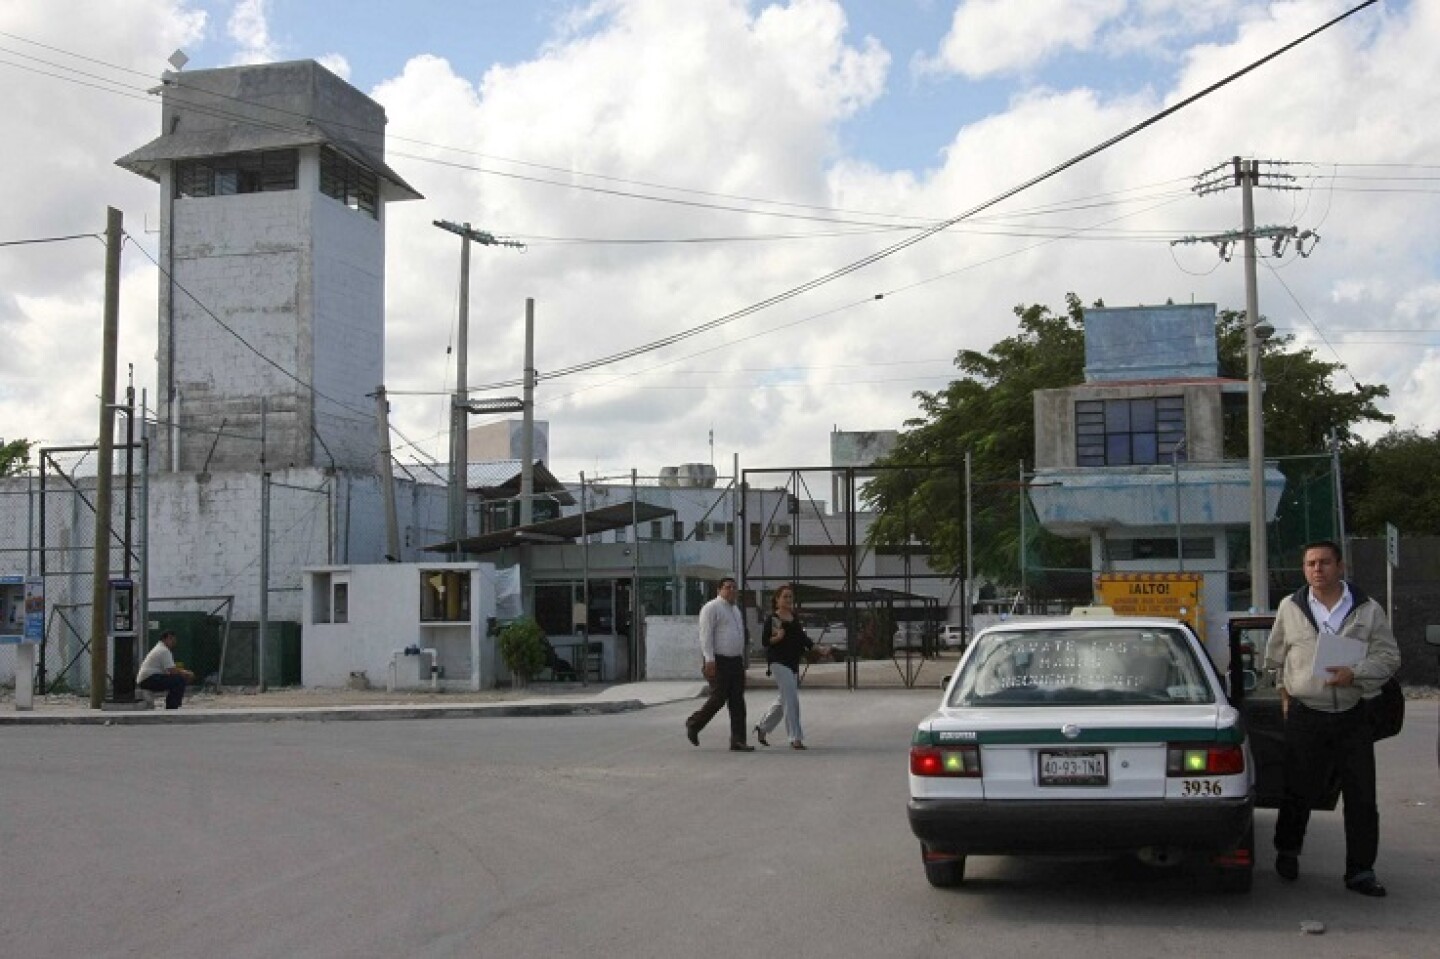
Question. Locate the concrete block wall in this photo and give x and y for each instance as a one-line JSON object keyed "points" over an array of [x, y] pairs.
{"points": [[348, 320], [672, 648]]}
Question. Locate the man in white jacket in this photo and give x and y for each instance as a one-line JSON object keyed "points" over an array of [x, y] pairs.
{"points": [[1326, 727]]}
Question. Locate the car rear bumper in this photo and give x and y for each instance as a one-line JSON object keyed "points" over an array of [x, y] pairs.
{"points": [[1013, 827]]}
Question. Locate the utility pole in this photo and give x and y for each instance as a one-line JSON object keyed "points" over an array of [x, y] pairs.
{"points": [[104, 481], [387, 477], [263, 630], [1247, 174], [459, 456]]}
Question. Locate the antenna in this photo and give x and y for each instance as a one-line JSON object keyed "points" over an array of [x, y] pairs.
{"points": [[178, 59]]}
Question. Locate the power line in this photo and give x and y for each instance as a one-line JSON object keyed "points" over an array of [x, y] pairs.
{"points": [[52, 239]]}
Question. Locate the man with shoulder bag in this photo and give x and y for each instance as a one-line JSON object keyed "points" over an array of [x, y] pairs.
{"points": [[1330, 711]]}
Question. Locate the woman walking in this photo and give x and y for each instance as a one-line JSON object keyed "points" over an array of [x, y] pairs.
{"points": [[785, 643]]}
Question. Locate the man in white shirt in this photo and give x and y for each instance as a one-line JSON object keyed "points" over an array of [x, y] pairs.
{"points": [[1327, 729], [159, 674], [722, 646]]}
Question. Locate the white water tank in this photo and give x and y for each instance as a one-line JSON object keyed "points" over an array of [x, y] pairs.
{"points": [[688, 475]]}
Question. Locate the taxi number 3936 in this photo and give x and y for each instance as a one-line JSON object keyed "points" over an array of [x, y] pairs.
{"points": [[1201, 787]]}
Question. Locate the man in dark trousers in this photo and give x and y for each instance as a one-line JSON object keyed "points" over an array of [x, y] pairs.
{"points": [[1326, 728], [159, 674], [722, 644]]}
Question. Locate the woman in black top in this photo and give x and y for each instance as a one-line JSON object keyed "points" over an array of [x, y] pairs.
{"points": [[785, 644]]}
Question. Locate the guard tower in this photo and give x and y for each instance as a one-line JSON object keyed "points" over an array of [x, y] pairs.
{"points": [[273, 189]]}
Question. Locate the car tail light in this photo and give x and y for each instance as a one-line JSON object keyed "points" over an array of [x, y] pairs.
{"points": [[1216, 759], [949, 761]]}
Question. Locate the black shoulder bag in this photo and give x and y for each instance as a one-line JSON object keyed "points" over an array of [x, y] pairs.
{"points": [[1386, 712]]}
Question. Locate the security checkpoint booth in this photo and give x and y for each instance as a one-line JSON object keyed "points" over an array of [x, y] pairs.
{"points": [[405, 625]]}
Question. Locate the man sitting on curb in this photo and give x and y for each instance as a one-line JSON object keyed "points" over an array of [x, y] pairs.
{"points": [[159, 674]]}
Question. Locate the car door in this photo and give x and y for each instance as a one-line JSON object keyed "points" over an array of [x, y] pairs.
{"points": [[1253, 692]]}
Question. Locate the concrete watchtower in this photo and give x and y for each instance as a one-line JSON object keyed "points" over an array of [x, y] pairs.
{"points": [[273, 187]]}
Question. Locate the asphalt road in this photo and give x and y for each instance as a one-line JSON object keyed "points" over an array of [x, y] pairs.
{"points": [[610, 836]]}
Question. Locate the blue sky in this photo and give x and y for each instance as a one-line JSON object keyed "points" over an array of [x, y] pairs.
{"points": [[904, 110]]}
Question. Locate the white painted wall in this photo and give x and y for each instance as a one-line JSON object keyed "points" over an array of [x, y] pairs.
{"points": [[384, 618], [672, 648]]}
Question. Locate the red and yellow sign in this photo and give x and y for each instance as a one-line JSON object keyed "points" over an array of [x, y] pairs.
{"points": [[1175, 595]]}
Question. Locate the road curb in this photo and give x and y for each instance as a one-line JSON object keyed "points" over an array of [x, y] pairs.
{"points": [[182, 716]]}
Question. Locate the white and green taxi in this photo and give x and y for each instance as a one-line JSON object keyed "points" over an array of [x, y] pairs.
{"points": [[1084, 736]]}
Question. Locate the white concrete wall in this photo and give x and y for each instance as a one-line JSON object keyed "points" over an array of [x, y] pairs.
{"points": [[672, 648], [384, 617], [348, 323]]}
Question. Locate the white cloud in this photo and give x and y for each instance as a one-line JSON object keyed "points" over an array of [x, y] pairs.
{"points": [[249, 27], [989, 37], [336, 64]]}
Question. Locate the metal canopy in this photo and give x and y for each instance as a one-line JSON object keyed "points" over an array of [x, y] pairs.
{"points": [[566, 529]]}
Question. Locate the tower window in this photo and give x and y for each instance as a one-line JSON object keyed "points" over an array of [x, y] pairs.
{"points": [[261, 172], [1128, 432], [348, 182]]}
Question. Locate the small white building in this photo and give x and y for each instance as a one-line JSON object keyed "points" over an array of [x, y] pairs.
{"points": [[403, 625]]}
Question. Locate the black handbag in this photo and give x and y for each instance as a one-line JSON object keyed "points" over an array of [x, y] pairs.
{"points": [[1386, 712]]}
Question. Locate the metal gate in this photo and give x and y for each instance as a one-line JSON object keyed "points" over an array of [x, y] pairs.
{"points": [[881, 607]]}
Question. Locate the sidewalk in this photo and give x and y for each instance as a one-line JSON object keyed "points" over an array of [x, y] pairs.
{"points": [[241, 705], [330, 705]]}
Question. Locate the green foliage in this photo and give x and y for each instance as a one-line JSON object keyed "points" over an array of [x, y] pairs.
{"points": [[522, 647], [1392, 481], [1302, 405], [15, 457]]}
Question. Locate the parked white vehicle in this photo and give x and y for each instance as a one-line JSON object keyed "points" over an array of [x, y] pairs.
{"points": [[1084, 736]]}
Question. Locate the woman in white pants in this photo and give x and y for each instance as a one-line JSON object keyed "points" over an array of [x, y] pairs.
{"points": [[785, 644]]}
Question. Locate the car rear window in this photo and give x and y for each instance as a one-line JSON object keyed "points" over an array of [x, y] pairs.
{"points": [[1082, 667]]}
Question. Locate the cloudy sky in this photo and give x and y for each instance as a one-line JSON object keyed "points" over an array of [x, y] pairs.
{"points": [[671, 165]]}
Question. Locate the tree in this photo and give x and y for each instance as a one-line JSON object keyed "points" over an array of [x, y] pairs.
{"points": [[1388, 481], [15, 457], [1302, 406], [990, 411]]}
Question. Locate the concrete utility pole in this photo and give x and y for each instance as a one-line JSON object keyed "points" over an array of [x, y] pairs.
{"points": [[104, 481], [387, 477], [459, 457], [1247, 174], [527, 430]]}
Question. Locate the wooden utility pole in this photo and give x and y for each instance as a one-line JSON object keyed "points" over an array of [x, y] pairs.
{"points": [[100, 579]]}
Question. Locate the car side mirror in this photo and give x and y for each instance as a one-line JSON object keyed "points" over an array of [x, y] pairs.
{"points": [[1432, 635]]}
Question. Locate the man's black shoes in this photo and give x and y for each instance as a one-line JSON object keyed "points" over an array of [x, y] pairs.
{"points": [[692, 734], [1288, 867], [741, 748], [1365, 883]]}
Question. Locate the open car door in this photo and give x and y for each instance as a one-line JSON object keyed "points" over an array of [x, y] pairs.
{"points": [[1253, 692]]}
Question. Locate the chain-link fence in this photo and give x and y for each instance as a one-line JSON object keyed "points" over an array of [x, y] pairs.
{"points": [[1195, 516], [47, 530]]}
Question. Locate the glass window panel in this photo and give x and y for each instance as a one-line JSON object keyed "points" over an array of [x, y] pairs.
{"points": [[1117, 416], [1142, 416], [1143, 449], [1117, 450]]}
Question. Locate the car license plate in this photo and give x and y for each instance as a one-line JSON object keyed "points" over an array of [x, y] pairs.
{"points": [[1073, 769]]}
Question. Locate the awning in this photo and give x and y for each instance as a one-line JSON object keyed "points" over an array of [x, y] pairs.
{"points": [[566, 529]]}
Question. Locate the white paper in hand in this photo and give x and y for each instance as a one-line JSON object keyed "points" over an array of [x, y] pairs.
{"points": [[1333, 651]]}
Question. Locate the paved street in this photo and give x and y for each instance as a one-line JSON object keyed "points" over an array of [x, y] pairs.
{"points": [[606, 835]]}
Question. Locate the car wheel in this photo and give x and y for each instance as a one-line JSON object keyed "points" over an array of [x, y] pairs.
{"points": [[943, 871], [1235, 870]]}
